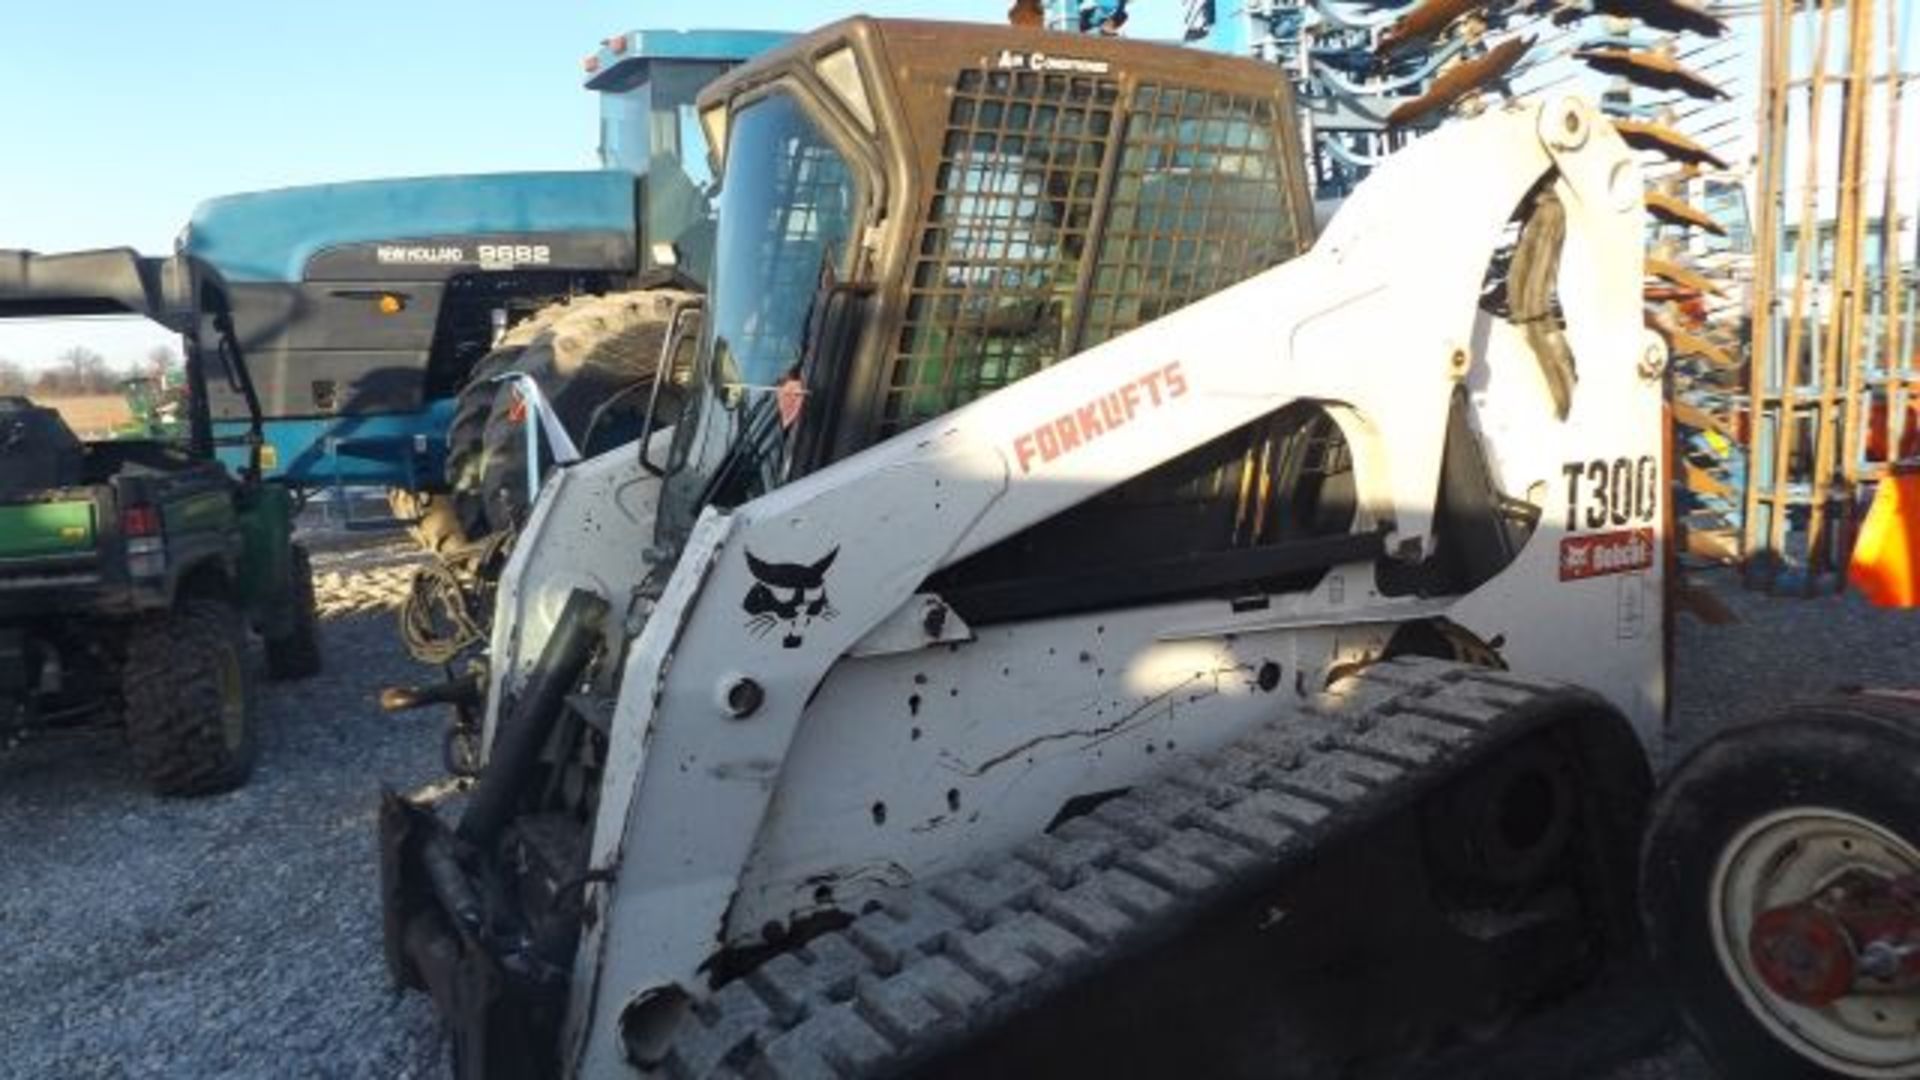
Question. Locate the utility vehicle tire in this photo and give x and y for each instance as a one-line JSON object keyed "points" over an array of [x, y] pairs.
{"points": [[187, 698], [1743, 824], [599, 348], [297, 655], [466, 434]]}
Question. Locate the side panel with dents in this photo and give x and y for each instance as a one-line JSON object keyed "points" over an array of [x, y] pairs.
{"points": [[914, 763], [1598, 627], [1596, 477], [681, 833]]}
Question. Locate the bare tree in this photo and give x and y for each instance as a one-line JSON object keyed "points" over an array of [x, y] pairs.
{"points": [[78, 370], [13, 377]]}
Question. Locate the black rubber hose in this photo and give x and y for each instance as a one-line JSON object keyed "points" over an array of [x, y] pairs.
{"points": [[516, 745]]}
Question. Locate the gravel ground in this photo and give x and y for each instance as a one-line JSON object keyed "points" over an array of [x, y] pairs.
{"points": [[239, 935], [224, 937]]}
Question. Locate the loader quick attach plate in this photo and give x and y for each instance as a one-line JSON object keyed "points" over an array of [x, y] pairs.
{"points": [[952, 975], [503, 1021]]}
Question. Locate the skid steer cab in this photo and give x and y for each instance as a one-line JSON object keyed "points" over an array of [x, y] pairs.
{"points": [[132, 569], [1066, 583]]}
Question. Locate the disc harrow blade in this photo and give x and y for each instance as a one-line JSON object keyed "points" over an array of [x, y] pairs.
{"points": [[1682, 342], [1690, 280], [1673, 16], [1660, 139], [1462, 79], [1676, 211], [1653, 69], [1703, 482], [1700, 419], [1426, 21]]}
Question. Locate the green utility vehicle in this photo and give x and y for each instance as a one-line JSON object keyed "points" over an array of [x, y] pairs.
{"points": [[131, 570]]}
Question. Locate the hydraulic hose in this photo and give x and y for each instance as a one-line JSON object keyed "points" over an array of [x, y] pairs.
{"points": [[517, 743]]}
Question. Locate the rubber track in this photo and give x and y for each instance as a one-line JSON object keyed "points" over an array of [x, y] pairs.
{"points": [[171, 697], [932, 968]]}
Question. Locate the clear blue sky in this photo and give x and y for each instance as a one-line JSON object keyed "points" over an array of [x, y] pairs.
{"points": [[121, 115]]}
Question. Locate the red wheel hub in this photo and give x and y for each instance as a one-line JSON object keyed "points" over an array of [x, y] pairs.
{"points": [[1803, 954]]}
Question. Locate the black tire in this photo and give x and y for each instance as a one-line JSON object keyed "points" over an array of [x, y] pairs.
{"points": [[1859, 756], [601, 347], [466, 449], [297, 654], [187, 699]]}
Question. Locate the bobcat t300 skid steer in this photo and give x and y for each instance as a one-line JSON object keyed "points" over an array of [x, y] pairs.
{"points": [[1057, 569]]}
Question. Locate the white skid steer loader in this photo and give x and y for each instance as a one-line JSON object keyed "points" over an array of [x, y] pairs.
{"points": [[1055, 575]]}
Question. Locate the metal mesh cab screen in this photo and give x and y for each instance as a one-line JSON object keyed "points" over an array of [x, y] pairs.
{"points": [[1022, 199], [1007, 231], [1200, 203]]}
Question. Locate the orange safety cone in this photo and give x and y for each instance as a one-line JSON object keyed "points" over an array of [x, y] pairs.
{"points": [[1886, 555]]}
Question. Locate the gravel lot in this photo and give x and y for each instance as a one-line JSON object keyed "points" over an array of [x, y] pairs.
{"points": [[223, 937], [239, 935]]}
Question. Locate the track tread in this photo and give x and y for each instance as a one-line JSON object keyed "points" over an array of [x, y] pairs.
{"points": [[943, 963]]}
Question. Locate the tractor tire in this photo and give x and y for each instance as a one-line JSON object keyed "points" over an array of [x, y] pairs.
{"points": [[1776, 808], [297, 654], [187, 698], [466, 452], [600, 347]]}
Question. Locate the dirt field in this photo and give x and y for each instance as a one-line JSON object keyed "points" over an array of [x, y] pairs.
{"points": [[91, 416]]}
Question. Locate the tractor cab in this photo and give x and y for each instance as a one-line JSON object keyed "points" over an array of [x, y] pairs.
{"points": [[648, 81]]}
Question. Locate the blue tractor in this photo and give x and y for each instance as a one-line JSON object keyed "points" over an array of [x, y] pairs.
{"points": [[385, 320]]}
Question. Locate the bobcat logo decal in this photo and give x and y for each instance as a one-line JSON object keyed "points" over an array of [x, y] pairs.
{"points": [[787, 596]]}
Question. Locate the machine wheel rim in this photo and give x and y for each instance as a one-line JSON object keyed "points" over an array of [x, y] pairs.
{"points": [[1785, 857]]}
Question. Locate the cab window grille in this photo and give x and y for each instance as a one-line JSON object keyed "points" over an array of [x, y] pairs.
{"points": [[1197, 200], [1009, 226], [803, 231], [1200, 203]]}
